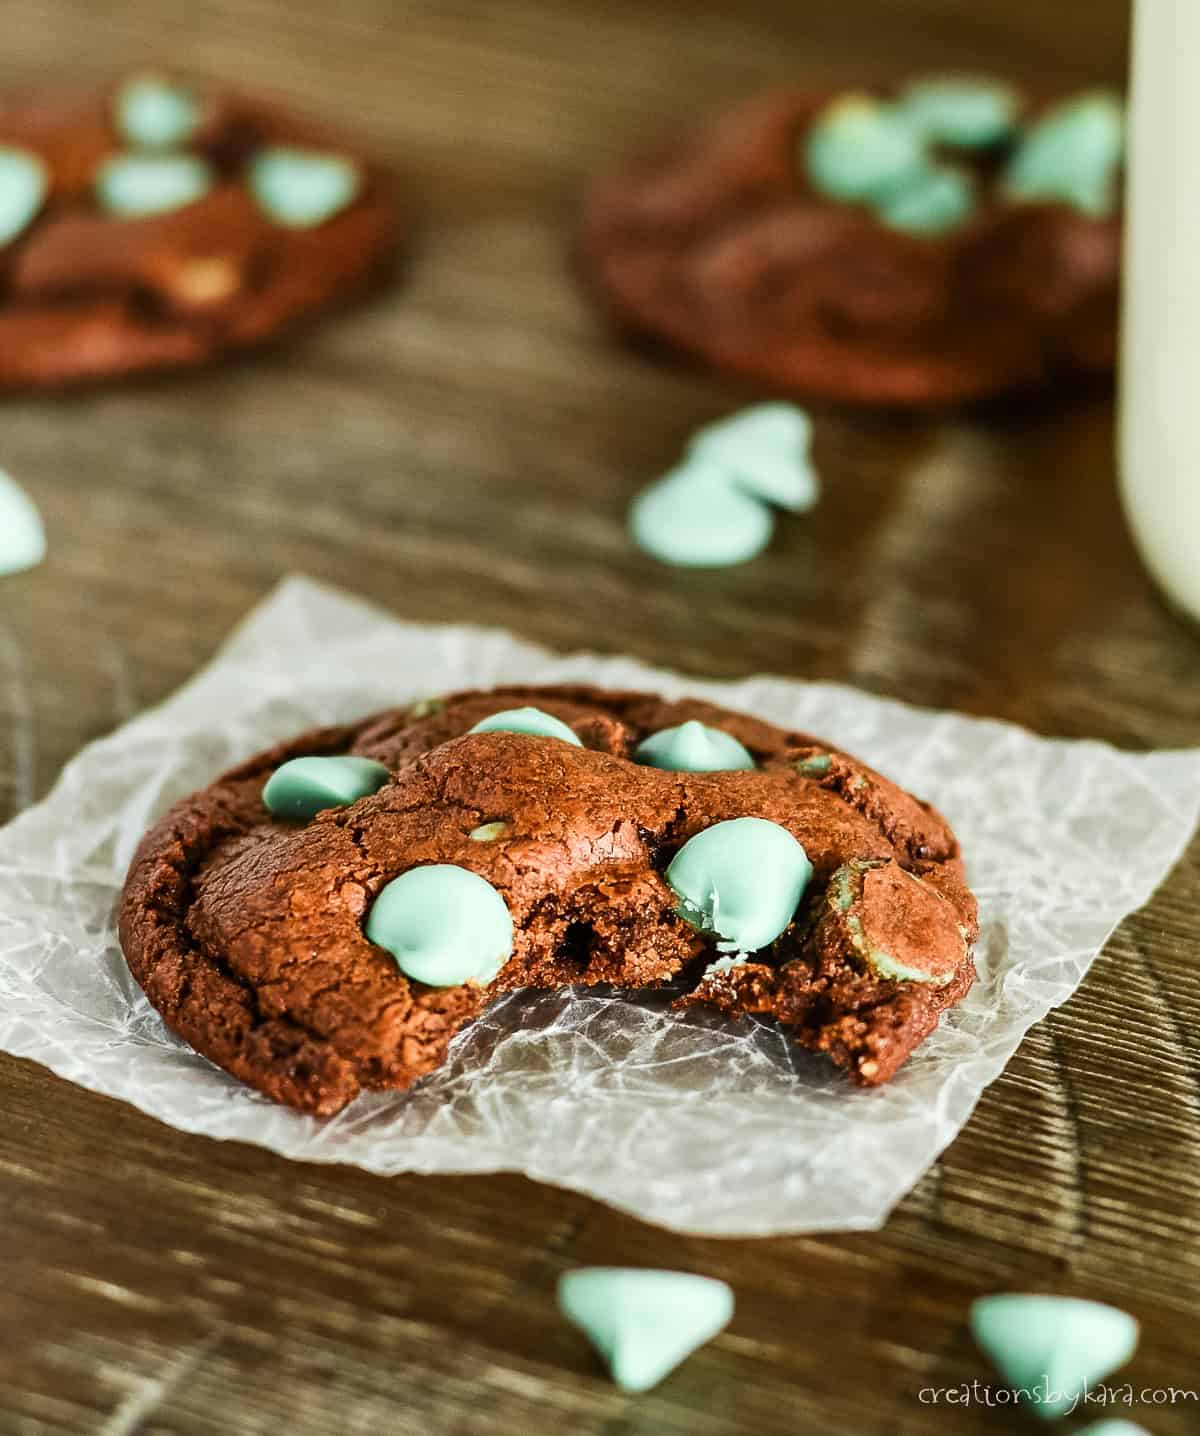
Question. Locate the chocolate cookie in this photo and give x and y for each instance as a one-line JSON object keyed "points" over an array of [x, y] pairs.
{"points": [[291, 920], [946, 243], [160, 224]]}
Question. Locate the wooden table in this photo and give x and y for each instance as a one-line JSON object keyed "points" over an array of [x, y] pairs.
{"points": [[465, 450]]}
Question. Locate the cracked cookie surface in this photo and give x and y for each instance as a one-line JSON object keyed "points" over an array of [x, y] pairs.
{"points": [[718, 244], [246, 931], [87, 293]]}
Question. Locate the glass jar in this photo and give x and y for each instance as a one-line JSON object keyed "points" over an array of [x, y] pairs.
{"points": [[1159, 447]]}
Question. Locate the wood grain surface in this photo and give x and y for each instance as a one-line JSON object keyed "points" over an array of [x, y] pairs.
{"points": [[465, 449]]}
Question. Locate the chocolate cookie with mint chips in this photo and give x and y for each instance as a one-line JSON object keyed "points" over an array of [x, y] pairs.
{"points": [[324, 918], [161, 223], [947, 241]]}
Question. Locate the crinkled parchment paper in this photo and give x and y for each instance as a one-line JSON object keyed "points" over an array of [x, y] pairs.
{"points": [[681, 1119]]}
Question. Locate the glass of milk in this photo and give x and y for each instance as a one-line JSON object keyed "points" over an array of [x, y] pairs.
{"points": [[1160, 345]]}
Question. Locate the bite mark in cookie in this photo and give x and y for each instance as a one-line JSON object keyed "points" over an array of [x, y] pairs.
{"points": [[252, 933]]}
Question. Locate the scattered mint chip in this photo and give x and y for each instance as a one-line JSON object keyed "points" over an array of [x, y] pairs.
{"points": [[712, 510], [644, 1322], [696, 517], [765, 451], [1052, 1347], [22, 537]]}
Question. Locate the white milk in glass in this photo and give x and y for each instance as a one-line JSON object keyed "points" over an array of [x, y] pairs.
{"points": [[1160, 352]]}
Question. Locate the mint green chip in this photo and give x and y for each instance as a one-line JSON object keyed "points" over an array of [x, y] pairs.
{"points": [[1052, 1348], [764, 451], [693, 747], [1113, 1428], [696, 517], [931, 202], [303, 188], [740, 881], [712, 510], [22, 537], [644, 1322], [531, 721], [960, 111], [443, 924], [24, 182], [150, 113], [1071, 155], [132, 186], [303, 787], [859, 148]]}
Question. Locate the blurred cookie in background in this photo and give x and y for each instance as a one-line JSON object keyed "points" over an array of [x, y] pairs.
{"points": [[944, 242], [162, 223]]}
